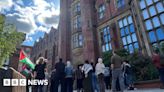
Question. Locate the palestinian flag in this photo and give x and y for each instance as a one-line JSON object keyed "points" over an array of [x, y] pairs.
{"points": [[24, 59], [25, 71]]}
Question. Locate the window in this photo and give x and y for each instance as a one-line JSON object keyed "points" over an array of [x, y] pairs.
{"points": [[128, 35], [101, 11], [130, 20], [77, 40], [153, 16], [152, 11], [131, 28], [77, 7], [145, 14], [152, 36], [124, 41], [120, 24], [159, 7], [125, 22], [122, 32], [149, 2], [120, 3], [160, 34], [77, 22], [148, 25], [162, 18], [156, 22], [80, 40], [134, 38], [106, 39], [142, 4]]}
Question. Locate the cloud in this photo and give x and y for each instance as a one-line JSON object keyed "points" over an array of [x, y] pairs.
{"points": [[23, 23], [43, 29], [31, 16], [20, 2], [37, 40], [5, 4], [48, 20]]}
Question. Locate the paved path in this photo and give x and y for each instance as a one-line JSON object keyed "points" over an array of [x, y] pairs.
{"points": [[141, 90]]}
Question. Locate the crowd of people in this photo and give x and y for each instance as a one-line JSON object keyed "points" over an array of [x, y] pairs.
{"points": [[88, 77]]}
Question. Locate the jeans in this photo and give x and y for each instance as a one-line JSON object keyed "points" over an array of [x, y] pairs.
{"points": [[101, 82], [117, 73], [161, 74], [69, 84], [107, 82], [95, 84], [128, 80]]}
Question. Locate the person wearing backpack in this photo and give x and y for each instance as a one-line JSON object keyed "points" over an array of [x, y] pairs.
{"points": [[157, 60], [128, 75]]}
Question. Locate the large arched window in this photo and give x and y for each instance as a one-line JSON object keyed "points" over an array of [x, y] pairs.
{"points": [[106, 39], [128, 35], [153, 17]]}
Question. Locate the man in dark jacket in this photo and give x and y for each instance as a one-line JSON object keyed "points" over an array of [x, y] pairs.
{"points": [[60, 74]]}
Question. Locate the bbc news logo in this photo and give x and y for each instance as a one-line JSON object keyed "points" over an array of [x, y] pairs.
{"points": [[23, 82]]}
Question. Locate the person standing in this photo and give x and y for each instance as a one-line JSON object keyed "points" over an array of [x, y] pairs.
{"points": [[39, 73], [79, 78], [128, 75], [60, 75], [87, 83], [107, 77], [160, 67], [95, 83], [100, 70], [117, 73], [45, 87], [69, 77], [53, 79]]}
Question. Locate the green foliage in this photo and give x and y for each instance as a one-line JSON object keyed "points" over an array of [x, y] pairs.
{"points": [[143, 67], [9, 39], [106, 57]]}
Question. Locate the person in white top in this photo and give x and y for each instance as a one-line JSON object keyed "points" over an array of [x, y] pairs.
{"points": [[100, 70]]}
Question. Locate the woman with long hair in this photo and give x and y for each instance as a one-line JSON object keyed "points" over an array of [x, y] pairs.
{"points": [[39, 73]]}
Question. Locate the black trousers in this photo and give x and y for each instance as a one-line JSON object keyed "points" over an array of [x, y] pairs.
{"points": [[107, 81], [87, 83], [69, 85], [56, 83]]}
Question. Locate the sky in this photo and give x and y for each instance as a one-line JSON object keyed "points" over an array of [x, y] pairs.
{"points": [[33, 17]]}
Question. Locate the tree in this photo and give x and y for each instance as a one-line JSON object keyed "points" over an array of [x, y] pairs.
{"points": [[9, 39]]}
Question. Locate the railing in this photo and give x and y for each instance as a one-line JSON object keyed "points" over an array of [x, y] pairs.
{"points": [[17, 75]]}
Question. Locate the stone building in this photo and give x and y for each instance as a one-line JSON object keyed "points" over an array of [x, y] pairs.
{"points": [[87, 28], [47, 47]]}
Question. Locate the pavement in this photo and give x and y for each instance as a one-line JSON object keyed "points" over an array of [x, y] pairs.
{"points": [[140, 90]]}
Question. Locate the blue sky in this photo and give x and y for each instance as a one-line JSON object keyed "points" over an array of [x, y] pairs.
{"points": [[33, 17]]}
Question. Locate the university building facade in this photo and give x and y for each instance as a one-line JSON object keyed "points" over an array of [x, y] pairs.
{"points": [[46, 47], [87, 28]]}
